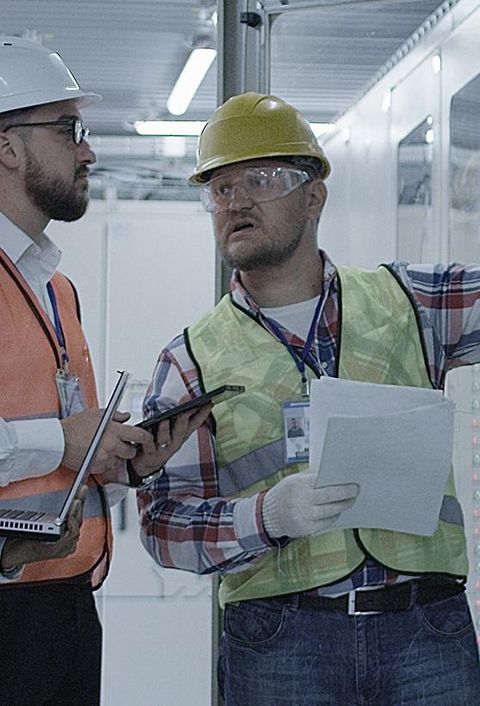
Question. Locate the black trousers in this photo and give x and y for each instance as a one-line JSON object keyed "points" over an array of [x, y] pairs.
{"points": [[51, 643]]}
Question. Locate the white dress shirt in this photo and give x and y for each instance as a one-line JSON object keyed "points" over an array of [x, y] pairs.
{"points": [[31, 448], [34, 447]]}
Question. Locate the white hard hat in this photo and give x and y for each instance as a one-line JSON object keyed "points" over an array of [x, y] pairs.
{"points": [[31, 75]]}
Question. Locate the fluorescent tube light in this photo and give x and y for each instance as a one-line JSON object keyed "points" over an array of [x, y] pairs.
{"points": [[189, 80], [195, 127], [169, 127]]}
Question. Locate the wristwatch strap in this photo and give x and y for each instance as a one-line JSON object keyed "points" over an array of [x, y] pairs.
{"points": [[137, 481]]}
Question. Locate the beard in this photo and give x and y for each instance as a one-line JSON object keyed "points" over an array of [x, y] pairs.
{"points": [[58, 200], [268, 255], [271, 253]]}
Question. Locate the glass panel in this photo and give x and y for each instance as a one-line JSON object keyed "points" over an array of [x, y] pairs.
{"points": [[465, 173], [464, 383], [414, 191]]}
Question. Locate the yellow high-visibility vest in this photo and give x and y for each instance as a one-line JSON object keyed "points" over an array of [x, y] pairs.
{"points": [[378, 341]]}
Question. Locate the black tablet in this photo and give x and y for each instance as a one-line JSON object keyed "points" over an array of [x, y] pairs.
{"points": [[219, 394]]}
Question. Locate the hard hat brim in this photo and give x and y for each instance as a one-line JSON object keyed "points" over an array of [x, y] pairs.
{"points": [[89, 99]]}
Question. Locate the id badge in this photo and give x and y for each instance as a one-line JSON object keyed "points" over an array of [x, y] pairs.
{"points": [[296, 426], [70, 394]]}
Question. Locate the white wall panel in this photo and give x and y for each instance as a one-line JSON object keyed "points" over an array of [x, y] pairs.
{"points": [[369, 208], [83, 259], [336, 221], [144, 271]]}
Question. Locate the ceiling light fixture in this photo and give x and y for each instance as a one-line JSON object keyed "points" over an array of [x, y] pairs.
{"points": [[436, 63], [190, 78], [169, 127], [194, 127]]}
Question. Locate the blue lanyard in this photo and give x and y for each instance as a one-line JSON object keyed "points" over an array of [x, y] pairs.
{"points": [[305, 356], [58, 325]]}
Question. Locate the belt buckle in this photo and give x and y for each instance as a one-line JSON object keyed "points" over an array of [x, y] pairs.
{"points": [[352, 610]]}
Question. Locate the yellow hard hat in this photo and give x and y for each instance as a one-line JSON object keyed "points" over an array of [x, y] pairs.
{"points": [[252, 126]]}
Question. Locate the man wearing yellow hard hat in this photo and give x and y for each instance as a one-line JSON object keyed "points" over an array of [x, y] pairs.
{"points": [[311, 615]]}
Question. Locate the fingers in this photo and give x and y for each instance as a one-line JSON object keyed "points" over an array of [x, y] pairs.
{"points": [[174, 432], [186, 423], [170, 436], [322, 525], [335, 493], [25, 551], [121, 416], [130, 434], [68, 543], [75, 517], [320, 512], [163, 436], [199, 417], [121, 443], [328, 503]]}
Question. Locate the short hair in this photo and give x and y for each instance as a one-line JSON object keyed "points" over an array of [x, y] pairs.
{"points": [[12, 117], [313, 166]]}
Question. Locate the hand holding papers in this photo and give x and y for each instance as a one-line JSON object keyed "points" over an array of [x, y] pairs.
{"points": [[295, 508], [395, 442]]}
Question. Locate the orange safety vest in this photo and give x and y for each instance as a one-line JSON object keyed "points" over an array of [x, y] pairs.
{"points": [[30, 356]]}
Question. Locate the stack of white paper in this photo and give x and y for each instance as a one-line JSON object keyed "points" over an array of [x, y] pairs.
{"points": [[395, 442]]}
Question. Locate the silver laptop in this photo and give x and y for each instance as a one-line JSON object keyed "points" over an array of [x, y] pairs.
{"points": [[48, 525]]}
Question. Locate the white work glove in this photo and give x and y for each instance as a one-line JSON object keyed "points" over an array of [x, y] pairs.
{"points": [[294, 508]]}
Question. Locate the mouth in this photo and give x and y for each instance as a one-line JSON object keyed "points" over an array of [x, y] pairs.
{"points": [[83, 174], [242, 227]]}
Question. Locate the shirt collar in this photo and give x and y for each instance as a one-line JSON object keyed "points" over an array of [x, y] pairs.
{"points": [[17, 245], [244, 299]]}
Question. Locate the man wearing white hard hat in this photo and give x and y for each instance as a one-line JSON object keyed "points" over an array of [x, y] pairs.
{"points": [[51, 636]]}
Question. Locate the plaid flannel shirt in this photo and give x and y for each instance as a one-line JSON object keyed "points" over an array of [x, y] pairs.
{"points": [[186, 524]]}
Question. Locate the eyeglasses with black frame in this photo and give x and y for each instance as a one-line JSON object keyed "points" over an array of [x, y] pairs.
{"points": [[78, 131]]}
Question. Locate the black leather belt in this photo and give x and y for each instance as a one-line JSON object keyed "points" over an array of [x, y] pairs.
{"points": [[400, 596]]}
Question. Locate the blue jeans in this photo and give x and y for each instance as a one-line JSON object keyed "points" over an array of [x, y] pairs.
{"points": [[275, 654]]}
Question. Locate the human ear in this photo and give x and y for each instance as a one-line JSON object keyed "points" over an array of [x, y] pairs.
{"points": [[316, 196], [9, 153]]}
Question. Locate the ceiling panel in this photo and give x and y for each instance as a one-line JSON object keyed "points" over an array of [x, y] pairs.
{"points": [[132, 51], [322, 58]]}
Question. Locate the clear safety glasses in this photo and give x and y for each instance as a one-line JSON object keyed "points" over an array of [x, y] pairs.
{"points": [[257, 183], [75, 128]]}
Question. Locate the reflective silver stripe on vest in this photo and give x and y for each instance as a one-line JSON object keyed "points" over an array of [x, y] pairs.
{"points": [[266, 461], [257, 465], [451, 511], [52, 502]]}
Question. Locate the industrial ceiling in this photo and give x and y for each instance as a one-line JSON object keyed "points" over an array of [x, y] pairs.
{"points": [[323, 56]]}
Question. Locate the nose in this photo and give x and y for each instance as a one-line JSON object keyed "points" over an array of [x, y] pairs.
{"points": [[85, 154], [240, 198]]}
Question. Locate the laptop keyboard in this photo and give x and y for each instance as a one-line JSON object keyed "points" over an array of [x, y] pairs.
{"points": [[21, 515]]}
